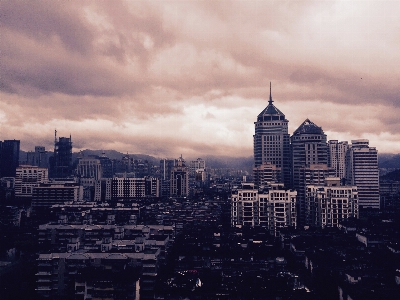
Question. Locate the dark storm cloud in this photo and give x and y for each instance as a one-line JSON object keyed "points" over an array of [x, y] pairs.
{"points": [[174, 76]]}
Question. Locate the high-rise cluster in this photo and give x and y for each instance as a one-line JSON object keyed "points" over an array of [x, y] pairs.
{"points": [[331, 178]]}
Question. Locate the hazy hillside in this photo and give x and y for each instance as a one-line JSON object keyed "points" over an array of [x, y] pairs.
{"points": [[394, 175], [389, 161], [113, 154]]}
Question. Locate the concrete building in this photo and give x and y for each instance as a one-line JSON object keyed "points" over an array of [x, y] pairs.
{"points": [[106, 166], [265, 174], [9, 157], [89, 168], [389, 192], [28, 177], [47, 194], [39, 157], [273, 208], [330, 204], [61, 162], [315, 174], [102, 190], [362, 171], [101, 261], [179, 179], [195, 165], [271, 140], [124, 188], [337, 157], [308, 146]]}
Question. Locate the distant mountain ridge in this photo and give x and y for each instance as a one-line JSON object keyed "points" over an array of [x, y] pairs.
{"points": [[389, 161], [385, 160]]}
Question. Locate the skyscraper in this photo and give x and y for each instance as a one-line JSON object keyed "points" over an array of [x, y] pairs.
{"points": [[61, 162], [337, 157], [271, 140], [9, 157], [362, 171], [308, 147], [179, 179]]}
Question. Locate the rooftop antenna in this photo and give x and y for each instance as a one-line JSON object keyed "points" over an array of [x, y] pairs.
{"points": [[270, 94]]}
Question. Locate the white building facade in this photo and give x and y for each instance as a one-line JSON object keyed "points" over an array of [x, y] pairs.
{"points": [[328, 205], [362, 171], [274, 208], [337, 157], [28, 177]]}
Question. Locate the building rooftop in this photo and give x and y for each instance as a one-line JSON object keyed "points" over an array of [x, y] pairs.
{"points": [[308, 127]]}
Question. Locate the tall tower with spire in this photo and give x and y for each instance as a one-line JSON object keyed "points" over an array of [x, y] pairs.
{"points": [[271, 140]]}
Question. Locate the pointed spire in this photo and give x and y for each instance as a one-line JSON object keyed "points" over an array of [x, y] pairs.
{"points": [[270, 94]]}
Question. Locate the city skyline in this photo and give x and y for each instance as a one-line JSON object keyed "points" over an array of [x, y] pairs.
{"points": [[178, 77]]}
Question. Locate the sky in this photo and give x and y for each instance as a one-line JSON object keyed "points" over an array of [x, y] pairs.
{"points": [[167, 78]]}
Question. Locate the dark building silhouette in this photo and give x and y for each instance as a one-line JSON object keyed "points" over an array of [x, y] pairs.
{"points": [[179, 179], [106, 166], [271, 140], [39, 158], [61, 162], [9, 157], [166, 167]]}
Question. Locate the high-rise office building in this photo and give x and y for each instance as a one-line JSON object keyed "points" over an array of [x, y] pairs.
{"points": [[61, 162], [308, 147], [179, 179], [271, 140], [166, 167], [9, 157], [337, 157], [362, 171]]}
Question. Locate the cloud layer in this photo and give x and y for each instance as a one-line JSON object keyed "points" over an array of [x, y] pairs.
{"points": [[190, 77]]}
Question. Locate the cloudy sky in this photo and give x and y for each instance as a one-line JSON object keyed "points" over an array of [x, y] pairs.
{"points": [[171, 77]]}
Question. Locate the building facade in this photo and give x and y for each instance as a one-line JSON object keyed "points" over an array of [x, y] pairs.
{"points": [[271, 140], [124, 188], [89, 168], [362, 171], [337, 157], [61, 162], [266, 173], [39, 157], [315, 174], [328, 205], [28, 177], [9, 157], [179, 183], [273, 208], [47, 194]]}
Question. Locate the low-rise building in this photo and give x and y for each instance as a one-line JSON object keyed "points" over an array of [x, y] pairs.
{"points": [[47, 194], [27, 177]]}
